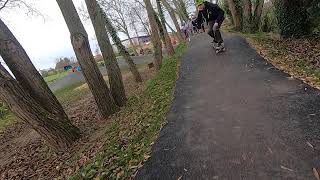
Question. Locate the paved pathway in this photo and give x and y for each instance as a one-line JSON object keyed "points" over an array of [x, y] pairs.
{"points": [[235, 117]]}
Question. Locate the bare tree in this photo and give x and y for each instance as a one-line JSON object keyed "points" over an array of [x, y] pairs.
{"points": [[257, 15], [236, 16], [139, 12], [117, 11], [112, 31], [25, 6], [57, 131], [80, 43], [154, 35], [114, 72], [26, 74], [167, 39], [247, 15], [174, 19]]}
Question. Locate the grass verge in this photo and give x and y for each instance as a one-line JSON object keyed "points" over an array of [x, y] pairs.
{"points": [[297, 57], [71, 93], [52, 78], [7, 121], [128, 139]]}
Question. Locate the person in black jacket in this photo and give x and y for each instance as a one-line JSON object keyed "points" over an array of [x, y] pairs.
{"points": [[214, 17]]}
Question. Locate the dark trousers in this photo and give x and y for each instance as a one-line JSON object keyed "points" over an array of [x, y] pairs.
{"points": [[215, 34]]}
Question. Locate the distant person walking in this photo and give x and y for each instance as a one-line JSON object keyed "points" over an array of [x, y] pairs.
{"points": [[187, 28], [214, 16]]}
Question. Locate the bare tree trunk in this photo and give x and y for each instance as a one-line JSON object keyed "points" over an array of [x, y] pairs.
{"points": [[257, 15], [183, 8], [168, 43], [247, 15], [154, 35], [26, 74], [114, 72], [58, 132], [137, 34], [160, 28], [235, 14], [174, 19], [132, 44], [80, 43], [121, 48], [180, 11]]}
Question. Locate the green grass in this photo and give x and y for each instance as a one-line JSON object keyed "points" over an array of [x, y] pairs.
{"points": [[128, 140], [70, 93], [7, 121], [52, 78]]}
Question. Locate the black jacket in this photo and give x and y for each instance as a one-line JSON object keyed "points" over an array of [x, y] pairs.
{"points": [[211, 12]]}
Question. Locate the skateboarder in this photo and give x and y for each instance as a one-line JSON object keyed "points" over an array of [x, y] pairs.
{"points": [[214, 15]]}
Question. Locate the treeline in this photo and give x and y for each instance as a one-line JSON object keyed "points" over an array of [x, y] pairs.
{"points": [[290, 18], [29, 97]]}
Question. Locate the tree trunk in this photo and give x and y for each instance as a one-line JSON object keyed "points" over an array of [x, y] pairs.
{"points": [[80, 43], [247, 16], [132, 44], [58, 132], [160, 28], [26, 74], [154, 35], [180, 11], [168, 43], [235, 14], [174, 19], [257, 15], [121, 48], [183, 8], [114, 72], [137, 34]]}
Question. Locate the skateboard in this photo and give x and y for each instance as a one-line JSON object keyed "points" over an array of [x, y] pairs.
{"points": [[217, 49]]}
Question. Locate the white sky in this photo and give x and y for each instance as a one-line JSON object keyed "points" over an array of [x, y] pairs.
{"points": [[44, 39]]}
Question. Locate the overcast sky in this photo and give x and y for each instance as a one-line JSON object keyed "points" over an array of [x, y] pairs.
{"points": [[44, 39]]}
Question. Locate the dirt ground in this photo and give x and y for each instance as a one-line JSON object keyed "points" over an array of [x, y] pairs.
{"points": [[24, 155]]}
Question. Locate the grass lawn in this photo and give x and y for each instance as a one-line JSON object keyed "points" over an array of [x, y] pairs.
{"points": [[127, 141], [52, 78]]}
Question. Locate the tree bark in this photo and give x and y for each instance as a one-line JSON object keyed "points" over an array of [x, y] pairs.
{"points": [[167, 39], [174, 19], [26, 74], [137, 34], [80, 43], [257, 15], [183, 8], [235, 14], [180, 11], [154, 35], [58, 132], [132, 44], [247, 16], [114, 72], [121, 48]]}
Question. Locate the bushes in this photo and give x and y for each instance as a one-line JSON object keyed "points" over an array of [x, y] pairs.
{"points": [[314, 11], [293, 18], [269, 21]]}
